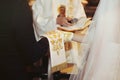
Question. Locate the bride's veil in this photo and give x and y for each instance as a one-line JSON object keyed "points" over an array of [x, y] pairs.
{"points": [[105, 26]]}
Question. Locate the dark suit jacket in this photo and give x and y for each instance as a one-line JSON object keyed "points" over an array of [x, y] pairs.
{"points": [[17, 42]]}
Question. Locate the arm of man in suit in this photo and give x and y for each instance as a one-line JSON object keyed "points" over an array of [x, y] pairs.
{"points": [[25, 39]]}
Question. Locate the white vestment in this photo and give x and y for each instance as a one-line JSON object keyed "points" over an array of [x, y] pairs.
{"points": [[45, 13], [43, 19], [44, 16]]}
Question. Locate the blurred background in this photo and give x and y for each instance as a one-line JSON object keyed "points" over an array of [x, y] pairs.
{"points": [[90, 7]]}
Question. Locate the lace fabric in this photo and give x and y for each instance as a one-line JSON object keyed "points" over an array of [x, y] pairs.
{"points": [[101, 60]]}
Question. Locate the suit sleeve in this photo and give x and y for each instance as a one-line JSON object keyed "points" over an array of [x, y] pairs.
{"points": [[26, 43]]}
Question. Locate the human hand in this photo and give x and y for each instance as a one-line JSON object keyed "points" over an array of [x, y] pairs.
{"points": [[63, 21], [68, 18]]}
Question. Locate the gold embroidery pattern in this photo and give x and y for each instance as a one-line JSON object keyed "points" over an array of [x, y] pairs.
{"points": [[55, 40], [67, 35], [70, 8]]}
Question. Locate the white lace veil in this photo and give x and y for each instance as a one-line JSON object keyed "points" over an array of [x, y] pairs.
{"points": [[105, 28]]}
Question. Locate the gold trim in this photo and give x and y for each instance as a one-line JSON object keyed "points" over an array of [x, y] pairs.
{"points": [[59, 67]]}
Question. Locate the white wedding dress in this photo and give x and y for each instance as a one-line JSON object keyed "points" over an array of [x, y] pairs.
{"points": [[103, 40]]}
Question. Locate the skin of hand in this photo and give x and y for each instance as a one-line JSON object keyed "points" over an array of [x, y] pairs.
{"points": [[63, 21], [68, 18]]}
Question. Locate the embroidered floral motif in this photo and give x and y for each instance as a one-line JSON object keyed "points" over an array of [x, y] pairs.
{"points": [[70, 9], [56, 40]]}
